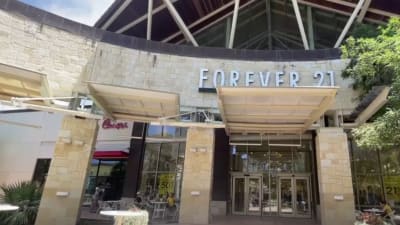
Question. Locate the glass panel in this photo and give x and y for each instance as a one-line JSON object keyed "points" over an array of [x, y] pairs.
{"points": [[240, 159], [147, 186], [302, 204], [281, 162], [366, 161], [302, 162], [286, 206], [154, 131], [165, 185], [41, 170], [270, 198], [168, 157], [238, 205], [390, 160], [254, 203], [369, 190], [151, 157]]}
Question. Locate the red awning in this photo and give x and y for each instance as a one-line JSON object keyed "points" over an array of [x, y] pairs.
{"points": [[110, 155]]}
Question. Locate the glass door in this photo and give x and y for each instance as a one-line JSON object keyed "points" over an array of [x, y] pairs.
{"points": [[238, 198], [294, 196], [253, 196], [285, 196], [247, 195]]}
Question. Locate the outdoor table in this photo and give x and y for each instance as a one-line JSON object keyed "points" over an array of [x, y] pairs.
{"points": [[374, 211], [127, 217], [6, 207]]}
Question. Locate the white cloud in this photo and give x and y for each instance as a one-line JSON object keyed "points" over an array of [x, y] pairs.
{"points": [[83, 11]]}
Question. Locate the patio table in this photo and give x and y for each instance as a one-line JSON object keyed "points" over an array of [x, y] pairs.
{"points": [[127, 217], [7, 207]]}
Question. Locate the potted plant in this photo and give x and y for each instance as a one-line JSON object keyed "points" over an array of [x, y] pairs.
{"points": [[26, 195]]}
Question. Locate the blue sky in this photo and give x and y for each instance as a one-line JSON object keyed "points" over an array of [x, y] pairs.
{"points": [[83, 11]]}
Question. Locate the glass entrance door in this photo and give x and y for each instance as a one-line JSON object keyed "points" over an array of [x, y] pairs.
{"points": [[294, 196], [247, 196]]}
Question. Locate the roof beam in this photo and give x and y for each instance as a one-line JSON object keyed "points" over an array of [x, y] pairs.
{"points": [[310, 28], [218, 20], [199, 21], [269, 22], [300, 24], [141, 19], [363, 11], [149, 19], [116, 14], [372, 10], [349, 23], [304, 2], [234, 22], [179, 21]]}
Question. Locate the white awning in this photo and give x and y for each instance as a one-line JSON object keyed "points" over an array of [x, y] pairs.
{"points": [[123, 103], [16, 82], [272, 110]]}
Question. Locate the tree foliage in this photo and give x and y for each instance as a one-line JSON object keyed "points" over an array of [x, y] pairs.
{"points": [[375, 61], [25, 195]]}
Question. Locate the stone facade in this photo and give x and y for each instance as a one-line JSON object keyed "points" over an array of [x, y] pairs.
{"points": [[69, 61], [197, 177], [334, 177], [62, 195]]}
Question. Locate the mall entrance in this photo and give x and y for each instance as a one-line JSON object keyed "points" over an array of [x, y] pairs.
{"points": [[293, 196], [273, 180]]}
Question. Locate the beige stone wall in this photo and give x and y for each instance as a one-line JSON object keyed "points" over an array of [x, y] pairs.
{"points": [[197, 177], [177, 74], [68, 60], [334, 176], [67, 173], [63, 57]]}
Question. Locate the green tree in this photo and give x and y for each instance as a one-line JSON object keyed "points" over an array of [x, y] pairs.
{"points": [[375, 61], [25, 195]]}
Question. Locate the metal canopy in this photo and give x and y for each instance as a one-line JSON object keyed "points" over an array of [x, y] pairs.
{"points": [[16, 82], [273, 110], [124, 103]]}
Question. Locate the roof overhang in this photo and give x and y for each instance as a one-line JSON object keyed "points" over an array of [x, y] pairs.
{"points": [[17, 82], [273, 110], [123, 103]]}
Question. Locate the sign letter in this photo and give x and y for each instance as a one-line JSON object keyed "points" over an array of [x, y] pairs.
{"points": [[216, 73], [278, 78], [249, 80], [202, 77], [234, 78], [294, 78], [264, 80]]}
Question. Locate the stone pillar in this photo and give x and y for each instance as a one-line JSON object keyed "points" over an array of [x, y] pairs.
{"points": [[197, 177], [66, 180], [334, 176]]}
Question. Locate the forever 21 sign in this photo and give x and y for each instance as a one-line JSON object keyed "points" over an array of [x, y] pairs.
{"points": [[212, 79]]}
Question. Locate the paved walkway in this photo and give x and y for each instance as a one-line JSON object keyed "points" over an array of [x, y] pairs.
{"points": [[216, 220]]}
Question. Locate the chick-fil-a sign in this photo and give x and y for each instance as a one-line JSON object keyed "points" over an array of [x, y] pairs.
{"points": [[108, 124]]}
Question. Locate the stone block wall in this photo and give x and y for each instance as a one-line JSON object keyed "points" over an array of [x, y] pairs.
{"points": [[66, 180], [69, 60], [334, 176], [197, 177]]}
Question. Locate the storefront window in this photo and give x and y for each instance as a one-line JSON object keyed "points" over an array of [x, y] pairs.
{"points": [[108, 174], [41, 170], [163, 163], [376, 176], [259, 159]]}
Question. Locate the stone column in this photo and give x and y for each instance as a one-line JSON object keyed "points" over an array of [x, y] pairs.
{"points": [[334, 176], [66, 180], [197, 177]]}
